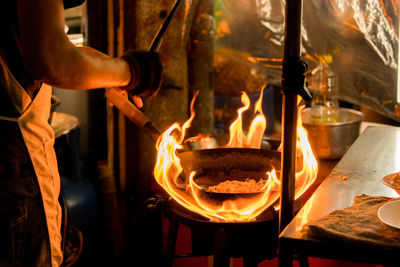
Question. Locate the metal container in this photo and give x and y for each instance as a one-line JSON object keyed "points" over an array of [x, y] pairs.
{"points": [[332, 140]]}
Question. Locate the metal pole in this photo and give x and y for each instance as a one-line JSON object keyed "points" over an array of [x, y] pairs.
{"points": [[289, 113]]}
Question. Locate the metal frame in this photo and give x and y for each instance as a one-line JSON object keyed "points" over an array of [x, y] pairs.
{"points": [[290, 91]]}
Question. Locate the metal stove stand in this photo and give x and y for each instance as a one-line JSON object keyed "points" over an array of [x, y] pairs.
{"points": [[253, 241]]}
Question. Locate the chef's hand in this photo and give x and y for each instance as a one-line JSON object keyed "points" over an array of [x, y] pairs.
{"points": [[146, 72], [138, 101]]}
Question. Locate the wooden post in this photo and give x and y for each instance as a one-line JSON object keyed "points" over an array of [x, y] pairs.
{"points": [[201, 67], [101, 35]]}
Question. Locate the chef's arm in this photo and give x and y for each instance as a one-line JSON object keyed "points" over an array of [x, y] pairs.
{"points": [[49, 55]]}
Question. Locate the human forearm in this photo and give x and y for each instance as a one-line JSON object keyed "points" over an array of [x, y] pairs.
{"points": [[86, 68], [49, 56]]}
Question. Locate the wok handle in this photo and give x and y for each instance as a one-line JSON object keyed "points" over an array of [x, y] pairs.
{"points": [[156, 43], [132, 112]]}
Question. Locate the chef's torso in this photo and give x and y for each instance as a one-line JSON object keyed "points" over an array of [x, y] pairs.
{"points": [[38, 137]]}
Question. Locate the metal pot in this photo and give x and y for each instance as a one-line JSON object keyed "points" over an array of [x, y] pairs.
{"points": [[332, 140]]}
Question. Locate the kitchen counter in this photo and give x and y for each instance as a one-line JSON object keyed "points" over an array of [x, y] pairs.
{"points": [[374, 154]]}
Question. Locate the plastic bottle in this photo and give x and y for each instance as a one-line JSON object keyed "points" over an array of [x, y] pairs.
{"points": [[325, 104]]}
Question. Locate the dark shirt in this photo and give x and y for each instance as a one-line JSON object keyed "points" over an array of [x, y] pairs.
{"points": [[12, 146]]}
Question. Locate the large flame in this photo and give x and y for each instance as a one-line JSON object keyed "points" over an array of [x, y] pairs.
{"points": [[256, 131], [168, 169]]}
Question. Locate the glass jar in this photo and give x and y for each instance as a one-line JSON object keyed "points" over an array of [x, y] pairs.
{"points": [[325, 103]]}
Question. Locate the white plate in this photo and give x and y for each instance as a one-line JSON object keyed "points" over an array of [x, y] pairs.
{"points": [[389, 213]]}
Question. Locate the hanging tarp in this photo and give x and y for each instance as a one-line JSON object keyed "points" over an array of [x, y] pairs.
{"points": [[359, 37]]}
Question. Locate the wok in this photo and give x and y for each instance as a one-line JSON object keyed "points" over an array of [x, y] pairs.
{"points": [[213, 166]]}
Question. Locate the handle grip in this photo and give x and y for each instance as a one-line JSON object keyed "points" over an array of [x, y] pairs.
{"points": [[132, 112]]}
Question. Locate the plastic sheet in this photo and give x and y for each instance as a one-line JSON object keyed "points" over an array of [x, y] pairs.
{"points": [[360, 37]]}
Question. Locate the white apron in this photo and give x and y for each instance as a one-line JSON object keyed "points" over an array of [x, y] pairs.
{"points": [[39, 139]]}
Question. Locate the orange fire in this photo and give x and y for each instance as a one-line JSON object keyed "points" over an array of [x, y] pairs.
{"points": [[256, 130], [168, 169]]}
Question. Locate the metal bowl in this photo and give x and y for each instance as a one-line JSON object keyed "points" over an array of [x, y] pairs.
{"points": [[332, 140]]}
